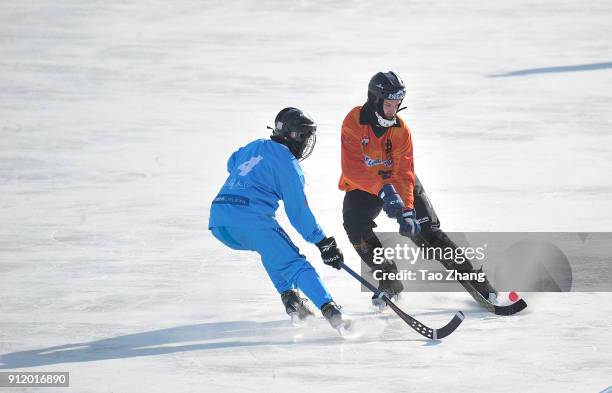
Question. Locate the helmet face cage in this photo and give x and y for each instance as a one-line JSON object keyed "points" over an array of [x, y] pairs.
{"points": [[307, 147]]}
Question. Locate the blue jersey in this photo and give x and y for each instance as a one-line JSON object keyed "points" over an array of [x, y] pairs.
{"points": [[260, 174]]}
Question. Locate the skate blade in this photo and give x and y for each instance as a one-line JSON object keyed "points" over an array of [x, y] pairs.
{"points": [[346, 330], [295, 319], [297, 322], [379, 306]]}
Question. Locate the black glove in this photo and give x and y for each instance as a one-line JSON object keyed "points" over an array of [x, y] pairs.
{"points": [[393, 202], [330, 253]]}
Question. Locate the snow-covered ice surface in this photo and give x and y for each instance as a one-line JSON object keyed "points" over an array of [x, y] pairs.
{"points": [[116, 119]]}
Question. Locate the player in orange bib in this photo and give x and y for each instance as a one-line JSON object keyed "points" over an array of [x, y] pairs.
{"points": [[378, 174]]}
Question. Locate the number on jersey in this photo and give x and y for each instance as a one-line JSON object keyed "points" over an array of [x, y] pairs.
{"points": [[248, 166]]}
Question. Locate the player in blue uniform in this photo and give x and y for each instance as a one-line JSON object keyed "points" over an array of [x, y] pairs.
{"points": [[242, 215]]}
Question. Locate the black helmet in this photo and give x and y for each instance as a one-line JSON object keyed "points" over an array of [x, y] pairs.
{"points": [[385, 86], [296, 130]]}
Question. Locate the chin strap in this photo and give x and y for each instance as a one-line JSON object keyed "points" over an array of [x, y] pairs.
{"points": [[384, 122]]}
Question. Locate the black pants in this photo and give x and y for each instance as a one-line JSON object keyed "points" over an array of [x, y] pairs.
{"points": [[360, 208]]}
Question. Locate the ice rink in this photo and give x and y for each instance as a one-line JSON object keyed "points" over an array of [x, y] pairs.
{"points": [[116, 121]]}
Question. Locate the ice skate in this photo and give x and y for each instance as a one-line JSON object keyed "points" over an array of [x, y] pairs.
{"points": [[484, 287], [338, 320], [296, 307], [390, 288]]}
